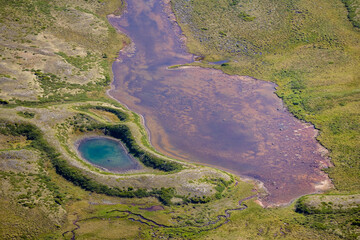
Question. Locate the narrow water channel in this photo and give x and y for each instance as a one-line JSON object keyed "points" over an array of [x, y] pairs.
{"points": [[203, 115]]}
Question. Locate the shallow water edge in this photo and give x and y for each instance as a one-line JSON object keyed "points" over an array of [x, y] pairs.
{"points": [[234, 123]]}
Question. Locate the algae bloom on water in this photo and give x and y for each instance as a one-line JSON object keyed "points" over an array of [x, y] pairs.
{"points": [[107, 153]]}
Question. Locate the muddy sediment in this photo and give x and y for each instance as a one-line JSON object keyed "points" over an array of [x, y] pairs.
{"points": [[235, 123]]}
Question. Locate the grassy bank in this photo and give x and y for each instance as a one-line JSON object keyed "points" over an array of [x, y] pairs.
{"points": [[70, 173], [58, 54], [310, 49]]}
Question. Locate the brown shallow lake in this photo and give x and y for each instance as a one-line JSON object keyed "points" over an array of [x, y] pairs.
{"points": [[203, 115]]}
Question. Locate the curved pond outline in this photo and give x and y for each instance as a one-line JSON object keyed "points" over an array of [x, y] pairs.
{"points": [[202, 115], [107, 153]]}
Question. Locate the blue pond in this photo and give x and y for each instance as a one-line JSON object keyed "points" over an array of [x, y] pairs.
{"points": [[107, 153]]}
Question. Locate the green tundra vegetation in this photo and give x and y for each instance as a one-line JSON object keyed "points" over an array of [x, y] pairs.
{"points": [[310, 49], [55, 69]]}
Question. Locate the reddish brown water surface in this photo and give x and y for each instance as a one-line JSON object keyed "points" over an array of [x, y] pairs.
{"points": [[203, 115]]}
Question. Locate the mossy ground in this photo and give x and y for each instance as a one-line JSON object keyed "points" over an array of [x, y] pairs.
{"points": [[49, 65], [308, 48], [57, 50]]}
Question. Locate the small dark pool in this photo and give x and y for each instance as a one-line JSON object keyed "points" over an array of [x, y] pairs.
{"points": [[219, 62], [107, 153]]}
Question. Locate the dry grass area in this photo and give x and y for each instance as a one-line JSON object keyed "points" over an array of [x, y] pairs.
{"points": [[43, 55], [56, 51], [19, 161], [30, 203], [12, 142], [99, 229], [332, 203], [71, 40], [110, 117]]}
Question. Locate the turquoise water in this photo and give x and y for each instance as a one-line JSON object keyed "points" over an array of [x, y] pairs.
{"points": [[107, 153]]}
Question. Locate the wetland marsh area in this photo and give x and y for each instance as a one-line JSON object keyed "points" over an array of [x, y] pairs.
{"points": [[159, 119]]}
